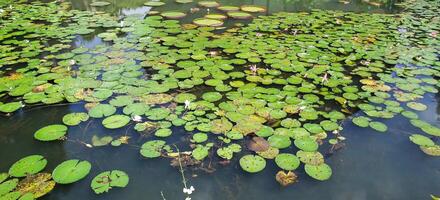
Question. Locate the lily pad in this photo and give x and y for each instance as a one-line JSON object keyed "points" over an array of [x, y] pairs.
{"points": [[102, 110], [51, 132], [107, 180], [306, 144], [287, 161], [154, 3], [115, 121], [153, 148], [417, 106], [100, 3], [209, 4], [239, 15], [27, 166], [320, 172], [207, 22], [71, 171], [252, 163], [378, 126], [37, 184], [73, 119], [163, 132], [10, 107], [279, 141], [173, 14], [200, 137], [252, 8]]}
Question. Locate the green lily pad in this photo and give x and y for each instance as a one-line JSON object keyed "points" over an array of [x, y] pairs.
{"points": [[306, 144], [8, 186], [163, 132], [312, 158], [182, 97], [279, 141], [27, 166], [71, 171], [252, 163], [153, 148], [200, 152], [421, 140], [100, 3], [239, 15], [208, 4], [51, 132], [432, 151], [157, 113], [212, 96], [361, 121], [417, 106], [102, 110], [173, 14], [73, 119], [200, 137], [10, 107], [287, 161], [115, 121], [378, 126], [101, 141], [154, 3], [207, 22], [320, 172], [252, 8], [107, 180]]}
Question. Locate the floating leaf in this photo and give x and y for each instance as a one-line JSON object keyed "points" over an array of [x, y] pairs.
{"points": [[200, 152], [71, 171], [51, 132], [73, 119], [207, 22], [287, 161], [100, 3], [378, 126], [102, 110], [115, 121], [173, 14], [10, 107], [252, 8], [200, 137], [279, 141], [258, 144], [320, 172], [101, 141], [286, 179], [306, 144], [107, 180], [163, 132], [152, 149], [36, 184], [28, 165], [252, 163], [417, 106], [421, 140]]}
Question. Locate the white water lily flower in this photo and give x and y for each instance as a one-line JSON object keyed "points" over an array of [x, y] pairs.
{"points": [[187, 104], [72, 62], [136, 118]]}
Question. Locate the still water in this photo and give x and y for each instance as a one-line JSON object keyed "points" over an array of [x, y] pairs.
{"points": [[371, 165]]}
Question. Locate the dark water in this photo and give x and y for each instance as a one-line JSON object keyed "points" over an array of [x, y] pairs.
{"points": [[372, 165]]}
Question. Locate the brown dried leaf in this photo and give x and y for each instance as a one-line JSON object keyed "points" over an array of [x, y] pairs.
{"points": [[286, 179], [258, 144]]}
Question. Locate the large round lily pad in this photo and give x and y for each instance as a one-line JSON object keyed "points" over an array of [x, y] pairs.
{"points": [[107, 180], [279, 141], [212, 96], [27, 166], [252, 8], [71, 171], [100, 3], [10, 107], [320, 172], [207, 22], [287, 161], [306, 144], [51, 132], [102, 110], [239, 15], [252, 163], [173, 14], [421, 140], [115, 121], [152, 149], [209, 4]]}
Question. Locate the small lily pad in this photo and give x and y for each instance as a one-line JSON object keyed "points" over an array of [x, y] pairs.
{"points": [[200, 137], [173, 14], [239, 15], [417, 106], [320, 172], [378, 126], [252, 8], [287, 161], [421, 140], [152, 149], [10, 107], [209, 4], [207, 22], [100, 3], [73, 119], [154, 3]]}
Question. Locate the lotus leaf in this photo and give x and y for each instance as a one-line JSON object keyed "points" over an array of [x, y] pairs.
{"points": [[73, 119]]}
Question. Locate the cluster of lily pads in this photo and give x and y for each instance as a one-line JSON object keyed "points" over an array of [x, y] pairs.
{"points": [[272, 91], [26, 181]]}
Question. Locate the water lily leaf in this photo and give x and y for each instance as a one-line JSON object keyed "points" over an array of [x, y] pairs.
{"points": [[107, 180], [8, 186], [225, 153], [163, 132], [320, 172], [286, 179], [378, 126], [102, 110], [417, 106], [10, 107], [266, 131], [239, 15], [36, 184], [361, 121], [3, 177], [252, 163], [312, 158], [212, 96], [222, 125], [154, 3], [270, 153], [115, 121], [173, 14], [28, 165], [51, 132], [279, 141], [207, 22], [200, 137], [432, 150], [252, 8], [208, 4], [287, 161], [73, 119], [71, 171], [200, 152], [157, 113], [101, 141], [306, 144], [100, 3], [421, 140], [152, 149], [182, 97]]}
